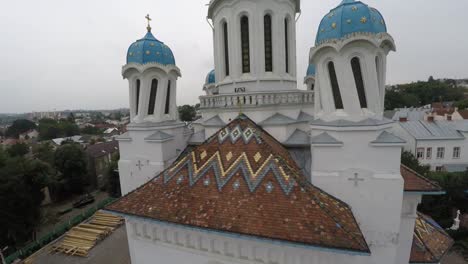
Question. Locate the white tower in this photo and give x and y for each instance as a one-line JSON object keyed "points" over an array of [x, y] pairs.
{"points": [[155, 137], [354, 156]]}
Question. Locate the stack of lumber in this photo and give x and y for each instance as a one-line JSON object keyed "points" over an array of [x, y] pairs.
{"points": [[83, 237]]}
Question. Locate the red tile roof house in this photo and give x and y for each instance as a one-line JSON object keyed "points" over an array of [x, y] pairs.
{"points": [[241, 188]]}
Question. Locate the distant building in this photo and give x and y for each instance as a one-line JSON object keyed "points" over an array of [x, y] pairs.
{"points": [[30, 134], [440, 144], [99, 157]]}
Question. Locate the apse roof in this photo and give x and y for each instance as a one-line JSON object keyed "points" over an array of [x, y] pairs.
{"points": [[430, 241], [242, 181], [415, 182]]}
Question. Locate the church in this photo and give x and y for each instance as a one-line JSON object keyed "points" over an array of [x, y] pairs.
{"points": [[271, 173]]}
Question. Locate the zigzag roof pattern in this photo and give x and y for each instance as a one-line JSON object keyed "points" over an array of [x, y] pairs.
{"points": [[243, 181], [430, 241]]}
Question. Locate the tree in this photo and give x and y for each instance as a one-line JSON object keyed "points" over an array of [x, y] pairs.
{"points": [[462, 105], [3, 157], [409, 160], [21, 184], [89, 130], [44, 152], [187, 113], [70, 160], [18, 127], [114, 178], [50, 129], [18, 150]]}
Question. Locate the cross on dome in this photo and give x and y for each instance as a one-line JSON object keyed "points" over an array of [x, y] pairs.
{"points": [[149, 19]]}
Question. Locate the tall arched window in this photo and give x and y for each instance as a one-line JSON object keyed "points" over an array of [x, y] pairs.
{"points": [[356, 66], [137, 99], [168, 97], [245, 41], [268, 43], [226, 48], [286, 43], [379, 70], [335, 87], [153, 92]]}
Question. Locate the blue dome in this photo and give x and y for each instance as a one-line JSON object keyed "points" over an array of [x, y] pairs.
{"points": [[150, 50], [311, 70], [350, 17], [210, 78]]}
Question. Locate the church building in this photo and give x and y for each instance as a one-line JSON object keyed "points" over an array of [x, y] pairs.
{"points": [[272, 173]]}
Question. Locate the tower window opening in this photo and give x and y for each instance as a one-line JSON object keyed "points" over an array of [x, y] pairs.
{"points": [[137, 99], [153, 92], [226, 48], [335, 87], [245, 44], [378, 68], [286, 43], [168, 97], [268, 43], [356, 66]]}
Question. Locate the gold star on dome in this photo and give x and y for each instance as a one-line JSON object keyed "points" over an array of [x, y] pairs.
{"points": [[131, 54], [363, 20], [152, 44], [322, 30], [331, 14], [333, 25], [348, 21], [148, 52], [382, 22], [354, 8]]}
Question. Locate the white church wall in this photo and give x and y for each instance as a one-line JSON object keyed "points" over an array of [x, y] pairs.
{"points": [[408, 218], [162, 243], [368, 179]]}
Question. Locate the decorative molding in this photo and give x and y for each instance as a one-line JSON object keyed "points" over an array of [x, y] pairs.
{"points": [[141, 68]]}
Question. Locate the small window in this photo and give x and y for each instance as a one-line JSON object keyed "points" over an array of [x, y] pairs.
{"points": [[356, 66], [377, 65], [456, 152], [268, 43], [429, 153], [449, 118], [335, 87], [226, 48], [420, 153], [440, 153], [137, 99], [168, 98], [153, 93], [286, 43], [245, 44], [440, 168]]}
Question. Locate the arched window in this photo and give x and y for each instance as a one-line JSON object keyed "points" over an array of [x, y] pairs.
{"points": [[379, 70], [168, 97], [335, 87], [268, 43], [245, 41], [137, 99], [226, 48], [286, 43], [153, 92], [356, 66]]}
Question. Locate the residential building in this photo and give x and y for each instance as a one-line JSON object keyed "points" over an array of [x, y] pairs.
{"points": [[100, 156]]}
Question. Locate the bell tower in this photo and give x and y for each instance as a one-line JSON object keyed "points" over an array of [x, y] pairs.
{"points": [[155, 137]]}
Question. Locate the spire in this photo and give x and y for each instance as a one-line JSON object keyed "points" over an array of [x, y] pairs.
{"points": [[149, 19]]}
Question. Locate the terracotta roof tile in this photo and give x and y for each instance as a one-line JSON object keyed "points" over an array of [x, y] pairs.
{"points": [[241, 180], [417, 183], [430, 241]]}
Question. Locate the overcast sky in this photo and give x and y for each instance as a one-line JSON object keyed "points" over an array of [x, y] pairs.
{"points": [[64, 54]]}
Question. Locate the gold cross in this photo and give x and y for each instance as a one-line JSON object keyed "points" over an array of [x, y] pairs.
{"points": [[149, 19]]}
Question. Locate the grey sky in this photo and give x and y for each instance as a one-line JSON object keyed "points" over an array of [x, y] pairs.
{"points": [[63, 54]]}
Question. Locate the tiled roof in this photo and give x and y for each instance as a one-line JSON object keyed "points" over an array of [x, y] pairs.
{"points": [[430, 241], [463, 113], [102, 149], [242, 181], [417, 183]]}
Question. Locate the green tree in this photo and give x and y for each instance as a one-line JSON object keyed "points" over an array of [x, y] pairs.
{"points": [[113, 178], [70, 160], [89, 130], [409, 160], [44, 152], [18, 150], [50, 129], [21, 184], [187, 113], [462, 105], [3, 157], [18, 127]]}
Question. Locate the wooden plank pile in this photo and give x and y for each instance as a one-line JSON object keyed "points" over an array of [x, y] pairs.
{"points": [[83, 237]]}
